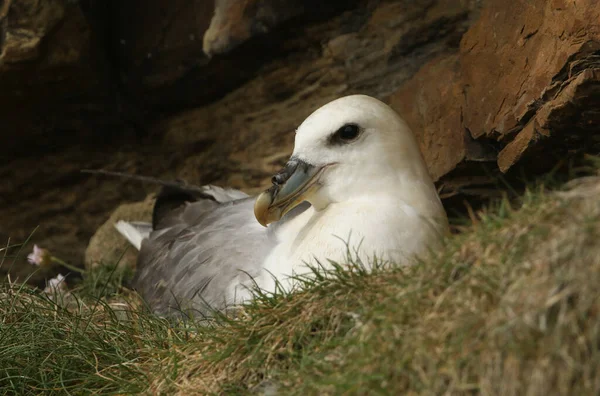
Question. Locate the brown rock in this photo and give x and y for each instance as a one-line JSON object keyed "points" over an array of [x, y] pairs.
{"points": [[517, 59], [236, 21], [573, 113], [512, 54], [436, 123], [26, 23], [40, 40], [517, 147], [524, 73]]}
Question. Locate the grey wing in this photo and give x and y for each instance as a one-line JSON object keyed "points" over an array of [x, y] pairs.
{"points": [[191, 262]]}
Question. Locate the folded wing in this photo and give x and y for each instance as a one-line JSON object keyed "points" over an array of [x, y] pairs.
{"points": [[202, 255]]}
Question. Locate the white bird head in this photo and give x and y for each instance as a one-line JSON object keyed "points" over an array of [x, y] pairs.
{"points": [[352, 148]]}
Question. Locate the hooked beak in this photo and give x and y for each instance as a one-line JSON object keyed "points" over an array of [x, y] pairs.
{"points": [[291, 186]]}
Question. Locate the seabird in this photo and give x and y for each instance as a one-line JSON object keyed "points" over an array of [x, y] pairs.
{"points": [[356, 181]]}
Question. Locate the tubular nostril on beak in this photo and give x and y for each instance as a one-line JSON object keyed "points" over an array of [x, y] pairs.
{"points": [[278, 179], [284, 174]]}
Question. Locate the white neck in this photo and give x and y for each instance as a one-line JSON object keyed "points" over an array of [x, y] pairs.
{"points": [[395, 224]]}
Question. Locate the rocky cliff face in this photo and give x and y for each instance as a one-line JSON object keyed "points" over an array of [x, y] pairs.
{"points": [[522, 88], [210, 91]]}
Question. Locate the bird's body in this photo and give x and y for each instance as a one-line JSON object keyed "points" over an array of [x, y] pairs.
{"points": [[355, 182]]}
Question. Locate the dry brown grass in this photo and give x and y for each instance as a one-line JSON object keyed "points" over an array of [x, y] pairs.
{"points": [[509, 307]]}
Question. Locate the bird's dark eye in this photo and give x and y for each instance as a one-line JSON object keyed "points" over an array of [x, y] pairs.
{"points": [[345, 134]]}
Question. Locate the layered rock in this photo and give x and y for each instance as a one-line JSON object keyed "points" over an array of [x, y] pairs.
{"points": [[524, 89]]}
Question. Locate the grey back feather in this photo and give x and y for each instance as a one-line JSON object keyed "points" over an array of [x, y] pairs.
{"points": [[221, 194], [198, 251]]}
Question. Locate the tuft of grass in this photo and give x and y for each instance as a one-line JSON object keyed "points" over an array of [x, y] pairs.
{"points": [[104, 281], [510, 305], [63, 344]]}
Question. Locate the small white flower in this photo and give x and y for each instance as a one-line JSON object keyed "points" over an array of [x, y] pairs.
{"points": [[56, 285], [39, 256]]}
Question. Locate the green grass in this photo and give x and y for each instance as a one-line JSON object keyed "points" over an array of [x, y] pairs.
{"points": [[70, 345], [509, 306]]}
